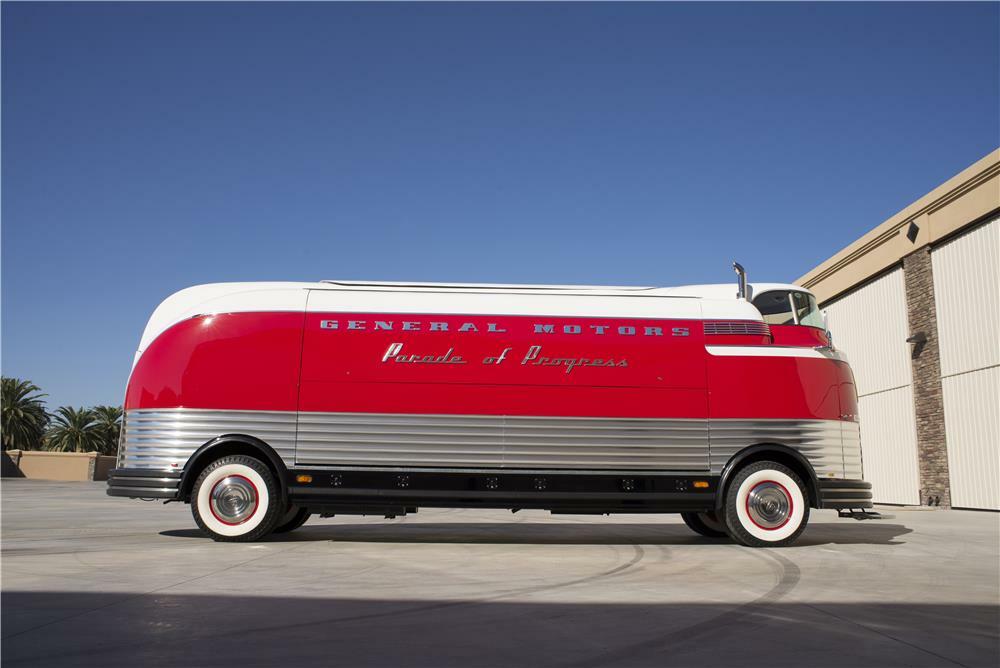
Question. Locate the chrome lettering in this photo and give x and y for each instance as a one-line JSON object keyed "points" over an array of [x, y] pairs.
{"points": [[496, 328], [532, 353], [394, 353], [499, 359], [533, 356]]}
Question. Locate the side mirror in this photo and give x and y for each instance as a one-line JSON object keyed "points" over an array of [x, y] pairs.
{"points": [[826, 329]]}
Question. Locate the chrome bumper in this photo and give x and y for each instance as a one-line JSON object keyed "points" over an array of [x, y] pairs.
{"points": [[144, 483], [845, 494]]}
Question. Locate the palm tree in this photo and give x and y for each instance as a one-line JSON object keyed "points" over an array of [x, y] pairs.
{"points": [[109, 422], [74, 430], [23, 414]]}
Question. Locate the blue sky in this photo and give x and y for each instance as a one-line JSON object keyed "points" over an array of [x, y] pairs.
{"points": [[151, 147]]}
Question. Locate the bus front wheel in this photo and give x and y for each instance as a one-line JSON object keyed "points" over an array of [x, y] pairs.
{"points": [[236, 499], [766, 505]]}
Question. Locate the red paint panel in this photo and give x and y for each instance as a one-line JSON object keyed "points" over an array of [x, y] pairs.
{"points": [[848, 393], [798, 335], [582, 367], [465, 399], [496, 365], [774, 387], [245, 361]]}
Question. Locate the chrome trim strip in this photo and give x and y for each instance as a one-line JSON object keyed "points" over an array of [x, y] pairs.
{"points": [[166, 438], [818, 440], [494, 469], [140, 481], [850, 433], [362, 439], [775, 351]]}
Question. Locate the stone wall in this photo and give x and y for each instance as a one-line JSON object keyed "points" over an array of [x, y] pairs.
{"points": [[925, 360]]}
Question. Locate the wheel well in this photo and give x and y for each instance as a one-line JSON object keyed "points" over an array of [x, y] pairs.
{"points": [[225, 446], [771, 453]]}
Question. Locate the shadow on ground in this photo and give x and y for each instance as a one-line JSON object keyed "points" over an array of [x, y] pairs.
{"points": [[846, 532], [81, 629]]}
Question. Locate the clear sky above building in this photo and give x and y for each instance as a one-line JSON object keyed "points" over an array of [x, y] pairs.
{"points": [[149, 147]]}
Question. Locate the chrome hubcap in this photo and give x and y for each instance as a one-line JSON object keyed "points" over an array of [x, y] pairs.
{"points": [[233, 499], [768, 505]]}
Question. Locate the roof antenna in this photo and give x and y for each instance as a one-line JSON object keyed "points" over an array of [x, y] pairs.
{"points": [[742, 281]]}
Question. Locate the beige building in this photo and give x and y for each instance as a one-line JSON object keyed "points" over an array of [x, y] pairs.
{"points": [[915, 304]]}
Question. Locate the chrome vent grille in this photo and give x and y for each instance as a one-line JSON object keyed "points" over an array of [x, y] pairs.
{"points": [[751, 327]]}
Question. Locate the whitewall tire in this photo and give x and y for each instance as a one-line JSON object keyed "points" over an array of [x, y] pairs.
{"points": [[236, 498], [766, 505]]}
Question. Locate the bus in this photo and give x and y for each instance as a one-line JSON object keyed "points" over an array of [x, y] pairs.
{"points": [[262, 404]]}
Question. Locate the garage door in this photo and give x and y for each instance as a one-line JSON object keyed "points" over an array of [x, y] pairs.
{"points": [[966, 289], [870, 326]]}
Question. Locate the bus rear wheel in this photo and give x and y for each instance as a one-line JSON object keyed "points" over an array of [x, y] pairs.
{"points": [[236, 499], [706, 524], [293, 519], [766, 505]]}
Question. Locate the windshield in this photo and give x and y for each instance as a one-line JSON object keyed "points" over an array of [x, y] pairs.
{"points": [[783, 307], [806, 311]]}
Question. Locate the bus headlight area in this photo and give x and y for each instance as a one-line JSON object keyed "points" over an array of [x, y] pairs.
{"points": [[137, 583]]}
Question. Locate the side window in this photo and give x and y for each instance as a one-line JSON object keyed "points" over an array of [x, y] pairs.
{"points": [[776, 307]]}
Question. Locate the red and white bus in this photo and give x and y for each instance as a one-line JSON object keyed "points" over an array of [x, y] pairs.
{"points": [[263, 403]]}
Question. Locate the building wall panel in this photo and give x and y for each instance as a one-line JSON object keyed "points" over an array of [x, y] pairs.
{"points": [[967, 292], [972, 420], [889, 446], [870, 325]]}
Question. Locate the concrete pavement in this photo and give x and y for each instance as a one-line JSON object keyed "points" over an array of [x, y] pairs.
{"points": [[89, 580]]}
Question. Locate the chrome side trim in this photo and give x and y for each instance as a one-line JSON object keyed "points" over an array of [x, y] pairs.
{"points": [[850, 433], [505, 441], [166, 438], [818, 440], [776, 351]]}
